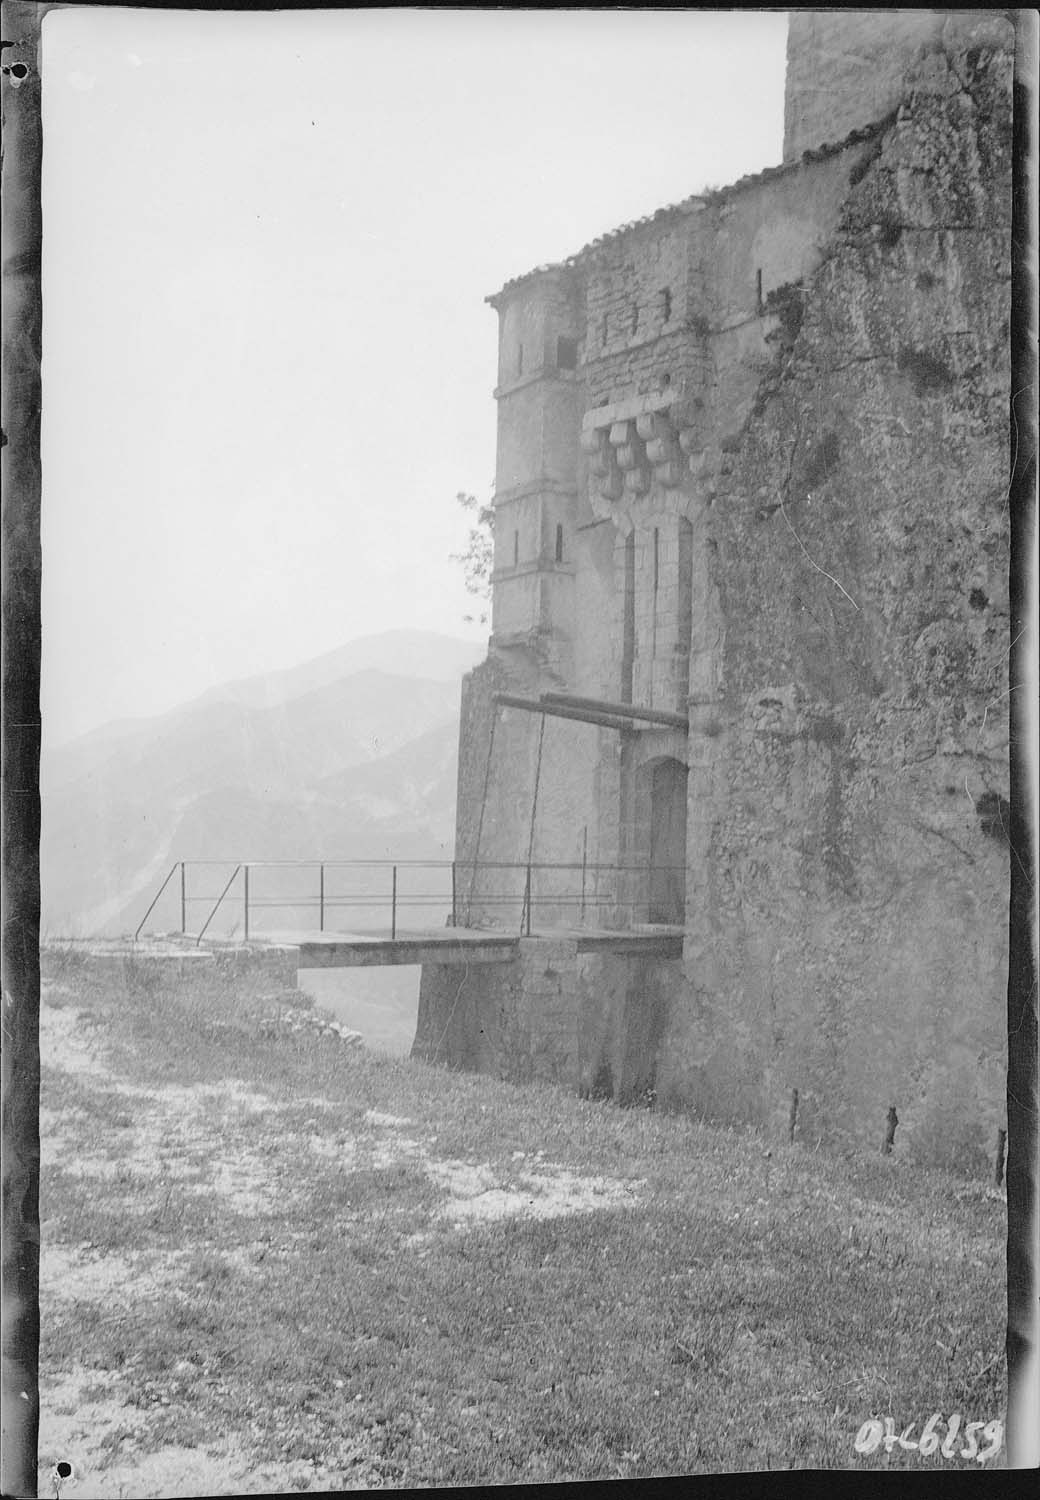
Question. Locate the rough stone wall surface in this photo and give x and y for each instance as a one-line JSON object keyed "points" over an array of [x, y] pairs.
{"points": [[536, 431], [450, 1027], [531, 324], [664, 569], [587, 1022], [595, 657], [643, 294], [540, 396], [494, 828], [767, 238], [856, 862], [494, 789], [845, 68], [517, 1021]]}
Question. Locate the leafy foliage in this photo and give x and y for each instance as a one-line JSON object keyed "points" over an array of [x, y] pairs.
{"points": [[478, 558]]}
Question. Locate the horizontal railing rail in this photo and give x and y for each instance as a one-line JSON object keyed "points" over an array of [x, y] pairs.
{"points": [[451, 892], [425, 864]]}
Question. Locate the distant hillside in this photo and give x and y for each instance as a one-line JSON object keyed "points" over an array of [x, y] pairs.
{"points": [[415, 783], [400, 653], [302, 765]]}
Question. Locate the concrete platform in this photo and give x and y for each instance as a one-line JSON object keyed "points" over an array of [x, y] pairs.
{"points": [[463, 945], [647, 942], [445, 945]]}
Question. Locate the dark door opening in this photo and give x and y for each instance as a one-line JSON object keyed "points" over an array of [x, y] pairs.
{"points": [[668, 843]]}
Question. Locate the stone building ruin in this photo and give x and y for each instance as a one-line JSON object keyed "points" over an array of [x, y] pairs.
{"points": [[753, 457]]}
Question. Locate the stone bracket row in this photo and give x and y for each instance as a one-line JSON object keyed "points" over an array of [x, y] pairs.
{"points": [[632, 443]]}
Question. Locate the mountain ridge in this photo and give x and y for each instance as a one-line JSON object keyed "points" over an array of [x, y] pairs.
{"points": [[360, 766]]}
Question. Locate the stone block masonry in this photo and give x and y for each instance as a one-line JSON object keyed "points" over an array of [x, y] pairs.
{"points": [[753, 463], [588, 1022]]}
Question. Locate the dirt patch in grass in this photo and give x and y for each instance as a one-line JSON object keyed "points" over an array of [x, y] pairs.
{"points": [[147, 1152], [366, 1272], [64, 1042], [377, 1117], [84, 1415], [475, 1194], [83, 1274]]}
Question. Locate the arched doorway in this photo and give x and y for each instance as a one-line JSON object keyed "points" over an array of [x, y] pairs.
{"points": [[667, 903]]}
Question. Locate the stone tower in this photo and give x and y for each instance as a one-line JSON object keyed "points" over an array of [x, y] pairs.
{"points": [[539, 397], [750, 625]]}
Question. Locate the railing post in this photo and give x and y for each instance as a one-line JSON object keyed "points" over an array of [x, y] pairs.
{"points": [[321, 898], [393, 908], [231, 880], [454, 917], [245, 901], [184, 902], [169, 876]]}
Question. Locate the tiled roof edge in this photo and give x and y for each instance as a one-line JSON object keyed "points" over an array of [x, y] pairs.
{"points": [[711, 198]]}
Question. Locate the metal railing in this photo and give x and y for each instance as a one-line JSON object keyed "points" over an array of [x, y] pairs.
{"points": [[464, 893]]}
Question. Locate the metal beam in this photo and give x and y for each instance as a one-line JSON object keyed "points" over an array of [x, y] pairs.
{"points": [[536, 706], [626, 710]]}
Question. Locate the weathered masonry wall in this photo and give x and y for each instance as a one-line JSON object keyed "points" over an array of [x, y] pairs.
{"points": [[536, 483], [846, 68], [497, 797], [643, 292], [587, 1022], [756, 473], [767, 238], [852, 932]]}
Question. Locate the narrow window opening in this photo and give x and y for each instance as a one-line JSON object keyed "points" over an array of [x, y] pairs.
{"points": [[559, 544], [657, 559], [635, 317], [566, 353], [666, 304], [520, 359], [758, 289], [516, 548], [628, 648], [603, 329]]}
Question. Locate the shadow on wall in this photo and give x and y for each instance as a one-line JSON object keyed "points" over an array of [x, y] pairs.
{"points": [[630, 1000]]}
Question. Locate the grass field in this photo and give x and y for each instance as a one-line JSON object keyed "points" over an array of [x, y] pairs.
{"points": [[274, 1261]]}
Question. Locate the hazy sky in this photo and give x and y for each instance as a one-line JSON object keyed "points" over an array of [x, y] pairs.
{"points": [[268, 363]]}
